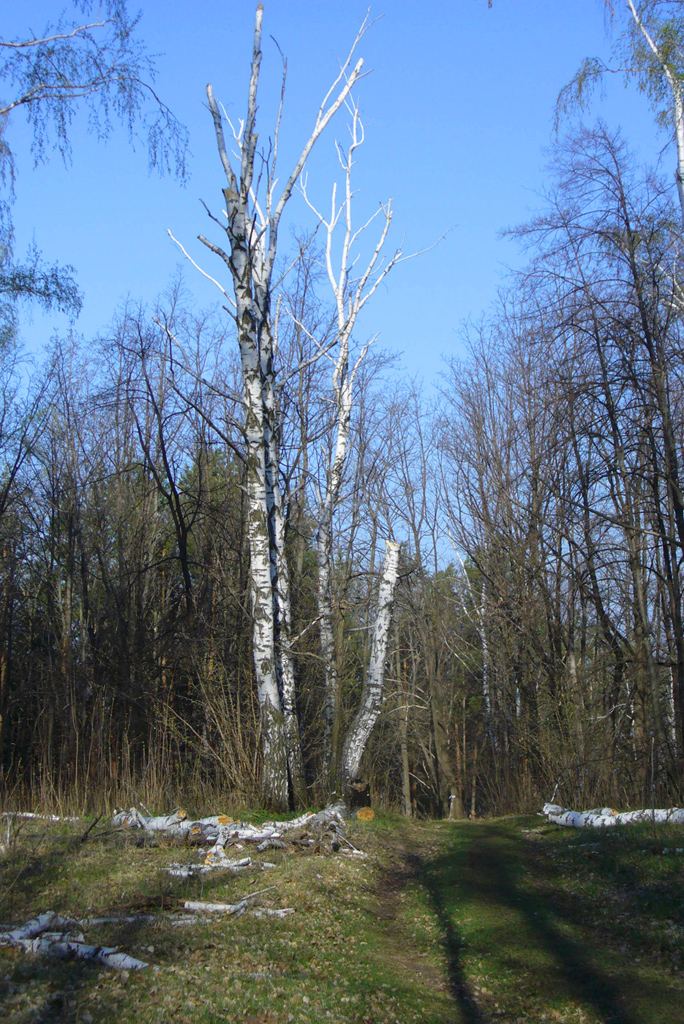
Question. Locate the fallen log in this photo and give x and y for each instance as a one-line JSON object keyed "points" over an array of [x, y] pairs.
{"points": [[33, 814], [39, 936], [606, 817], [213, 862], [199, 907], [320, 832], [222, 828], [226, 908], [268, 912]]}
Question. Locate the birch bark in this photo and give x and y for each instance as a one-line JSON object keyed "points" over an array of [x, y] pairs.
{"points": [[373, 691], [251, 223], [350, 296], [606, 817]]}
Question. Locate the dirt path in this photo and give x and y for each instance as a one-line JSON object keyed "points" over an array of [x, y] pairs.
{"points": [[404, 882], [514, 927], [390, 908]]}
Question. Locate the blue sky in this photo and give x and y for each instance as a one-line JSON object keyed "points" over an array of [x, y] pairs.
{"points": [[458, 109]]}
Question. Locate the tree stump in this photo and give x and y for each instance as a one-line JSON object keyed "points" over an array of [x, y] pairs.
{"points": [[359, 794]]}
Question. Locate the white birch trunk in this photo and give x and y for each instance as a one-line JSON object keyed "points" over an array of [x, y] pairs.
{"points": [[327, 640], [324, 540], [252, 232], [480, 623], [351, 294], [263, 566], [373, 691], [677, 101], [484, 645], [679, 135], [284, 651]]}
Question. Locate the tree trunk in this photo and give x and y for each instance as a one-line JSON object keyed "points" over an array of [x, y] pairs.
{"points": [[373, 691]]}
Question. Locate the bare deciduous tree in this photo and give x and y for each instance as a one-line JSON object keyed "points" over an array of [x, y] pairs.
{"points": [[251, 221]]}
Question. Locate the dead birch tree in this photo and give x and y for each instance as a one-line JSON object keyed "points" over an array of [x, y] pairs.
{"points": [[251, 220], [373, 690], [351, 292]]}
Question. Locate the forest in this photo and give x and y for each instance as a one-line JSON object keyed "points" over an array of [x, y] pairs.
{"points": [[246, 559]]}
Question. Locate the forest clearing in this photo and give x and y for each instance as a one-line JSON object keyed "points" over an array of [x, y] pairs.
{"points": [[509, 919], [249, 558]]}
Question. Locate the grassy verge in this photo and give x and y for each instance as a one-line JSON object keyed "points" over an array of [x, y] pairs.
{"points": [[508, 920], [326, 962]]}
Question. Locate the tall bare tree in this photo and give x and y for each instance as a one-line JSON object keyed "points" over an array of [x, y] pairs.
{"points": [[351, 291], [251, 221]]}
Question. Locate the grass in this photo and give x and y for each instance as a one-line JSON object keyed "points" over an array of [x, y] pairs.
{"points": [[505, 920]]}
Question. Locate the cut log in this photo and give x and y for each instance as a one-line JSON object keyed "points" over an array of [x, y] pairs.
{"points": [[606, 817], [197, 906], [365, 814]]}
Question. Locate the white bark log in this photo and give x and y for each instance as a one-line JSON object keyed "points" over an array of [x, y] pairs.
{"points": [[215, 908], [37, 937], [268, 912], [32, 814], [332, 813], [606, 817], [34, 927], [245, 833], [134, 818], [223, 832], [215, 861], [367, 715], [222, 829], [226, 908]]}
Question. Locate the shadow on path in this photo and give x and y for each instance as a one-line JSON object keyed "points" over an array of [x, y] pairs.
{"points": [[525, 931], [453, 946]]}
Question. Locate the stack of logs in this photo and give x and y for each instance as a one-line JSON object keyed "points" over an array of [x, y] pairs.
{"points": [[323, 832]]}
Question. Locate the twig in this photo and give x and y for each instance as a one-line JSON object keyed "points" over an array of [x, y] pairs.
{"points": [[258, 893], [90, 828]]}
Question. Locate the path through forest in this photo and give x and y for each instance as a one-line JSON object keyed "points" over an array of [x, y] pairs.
{"points": [[538, 924]]}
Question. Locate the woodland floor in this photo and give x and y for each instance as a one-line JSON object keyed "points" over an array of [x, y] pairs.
{"points": [[508, 920]]}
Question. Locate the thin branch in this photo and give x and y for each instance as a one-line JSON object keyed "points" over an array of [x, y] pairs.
{"points": [[197, 266]]}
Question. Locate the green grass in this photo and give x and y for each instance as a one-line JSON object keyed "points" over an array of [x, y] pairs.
{"points": [[505, 920], [546, 924]]}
